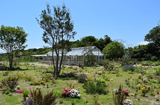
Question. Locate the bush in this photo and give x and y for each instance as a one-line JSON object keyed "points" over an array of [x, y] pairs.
{"points": [[153, 81], [94, 88], [25, 93], [46, 77], [10, 83], [106, 64], [68, 75], [128, 67], [28, 78], [154, 58], [36, 98], [5, 73], [119, 96], [158, 72], [7, 92], [149, 76], [82, 78]]}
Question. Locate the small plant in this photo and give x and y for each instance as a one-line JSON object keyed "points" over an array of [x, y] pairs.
{"points": [[119, 96], [4, 89], [107, 78], [10, 83], [82, 78], [36, 98], [7, 92], [95, 99], [46, 77], [93, 88], [144, 90], [70, 84], [25, 93], [152, 81], [47, 85], [18, 87], [61, 101], [10, 94]]}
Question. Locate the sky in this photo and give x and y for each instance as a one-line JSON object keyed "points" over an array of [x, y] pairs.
{"points": [[125, 20]]}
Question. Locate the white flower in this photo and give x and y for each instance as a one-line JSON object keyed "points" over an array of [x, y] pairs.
{"points": [[127, 102], [111, 79], [74, 93], [79, 95]]}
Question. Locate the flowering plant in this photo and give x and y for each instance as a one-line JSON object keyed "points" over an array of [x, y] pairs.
{"points": [[65, 92], [52, 77], [43, 82], [144, 89], [19, 91], [126, 91], [94, 67]]}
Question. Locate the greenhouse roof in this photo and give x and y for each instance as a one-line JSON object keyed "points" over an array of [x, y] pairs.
{"points": [[80, 51], [77, 51]]}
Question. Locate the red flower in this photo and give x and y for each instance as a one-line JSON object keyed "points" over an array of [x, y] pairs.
{"points": [[108, 84], [19, 91], [126, 90]]}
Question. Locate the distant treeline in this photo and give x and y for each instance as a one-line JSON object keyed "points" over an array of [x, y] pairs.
{"points": [[141, 52]]}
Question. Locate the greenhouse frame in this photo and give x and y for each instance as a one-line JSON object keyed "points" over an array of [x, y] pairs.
{"points": [[75, 56]]}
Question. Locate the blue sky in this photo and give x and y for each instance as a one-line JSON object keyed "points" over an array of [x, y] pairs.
{"points": [[128, 20]]}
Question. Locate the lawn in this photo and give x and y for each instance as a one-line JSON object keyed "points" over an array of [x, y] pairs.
{"points": [[30, 77]]}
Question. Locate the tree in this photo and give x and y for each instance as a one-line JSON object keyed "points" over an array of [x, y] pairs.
{"points": [[107, 39], [154, 36], [12, 40], [58, 29], [114, 50], [88, 41]]}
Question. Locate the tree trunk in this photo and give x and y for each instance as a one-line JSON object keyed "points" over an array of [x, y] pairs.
{"points": [[10, 65]]}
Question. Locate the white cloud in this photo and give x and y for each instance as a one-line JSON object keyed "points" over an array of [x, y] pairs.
{"points": [[37, 47], [33, 48], [143, 43], [2, 51]]}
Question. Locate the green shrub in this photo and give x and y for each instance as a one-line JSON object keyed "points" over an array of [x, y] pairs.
{"points": [[7, 92], [107, 78], [119, 96], [154, 58], [25, 93], [46, 77], [102, 80], [5, 73], [158, 72], [149, 76], [128, 68], [28, 78], [70, 67], [36, 98], [10, 94], [93, 88], [10, 83], [82, 78], [153, 81]]}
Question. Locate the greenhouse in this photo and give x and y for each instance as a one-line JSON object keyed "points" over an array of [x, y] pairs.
{"points": [[75, 56]]}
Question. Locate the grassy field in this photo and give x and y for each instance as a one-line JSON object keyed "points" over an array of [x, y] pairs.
{"points": [[113, 79]]}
